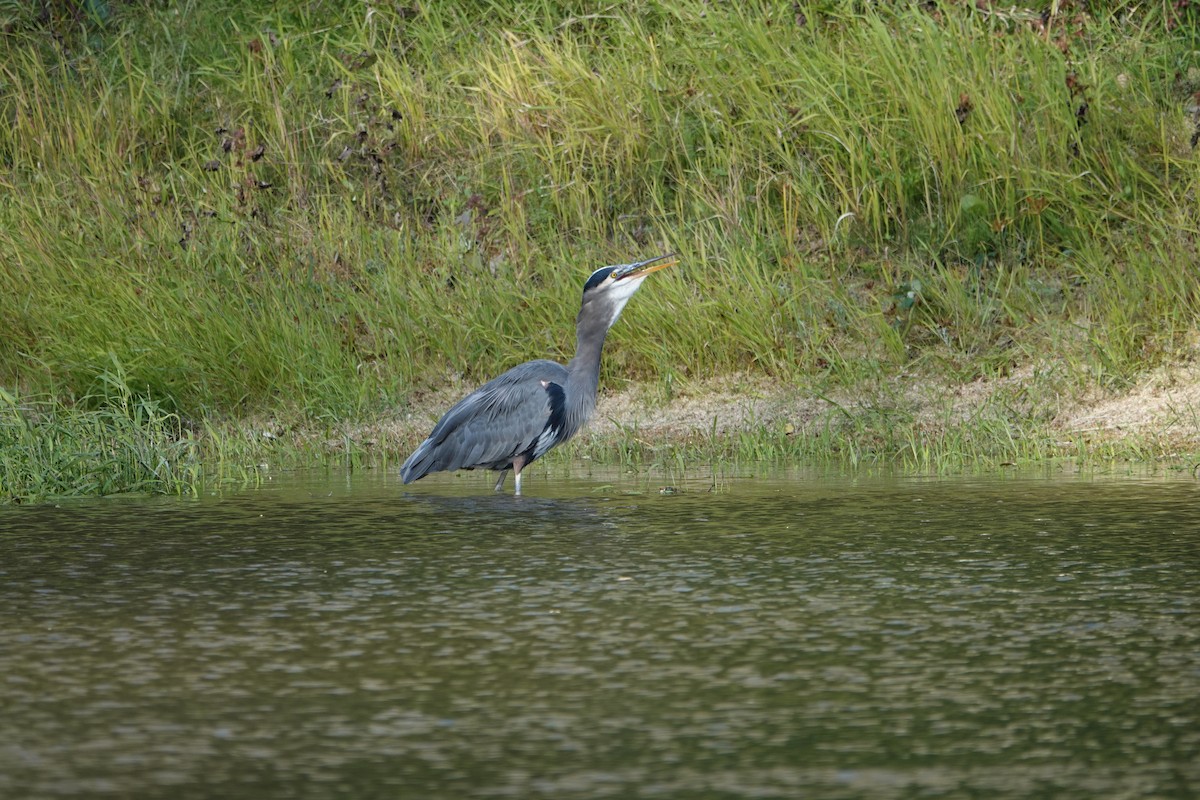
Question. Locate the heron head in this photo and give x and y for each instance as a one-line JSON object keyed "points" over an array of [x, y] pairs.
{"points": [[609, 288]]}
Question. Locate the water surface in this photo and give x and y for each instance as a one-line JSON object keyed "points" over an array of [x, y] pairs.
{"points": [[788, 636]]}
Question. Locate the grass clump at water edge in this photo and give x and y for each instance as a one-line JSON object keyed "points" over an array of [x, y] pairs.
{"points": [[122, 444]]}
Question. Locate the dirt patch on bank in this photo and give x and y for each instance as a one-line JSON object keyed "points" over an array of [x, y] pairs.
{"points": [[1163, 407], [721, 406], [1164, 403]]}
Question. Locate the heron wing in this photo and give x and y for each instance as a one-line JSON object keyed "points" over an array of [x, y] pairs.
{"points": [[499, 420]]}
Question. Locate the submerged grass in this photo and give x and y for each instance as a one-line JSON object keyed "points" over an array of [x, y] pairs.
{"points": [[320, 212]]}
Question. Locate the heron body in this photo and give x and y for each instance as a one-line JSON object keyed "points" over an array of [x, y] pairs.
{"points": [[516, 418]]}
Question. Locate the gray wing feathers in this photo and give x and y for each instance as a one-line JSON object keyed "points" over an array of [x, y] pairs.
{"points": [[488, 427]]}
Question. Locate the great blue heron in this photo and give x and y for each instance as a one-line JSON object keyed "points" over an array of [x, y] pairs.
{"points": [[515, 418]]}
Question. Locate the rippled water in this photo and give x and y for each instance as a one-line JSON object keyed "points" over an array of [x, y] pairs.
{"points": [[783, 637]]}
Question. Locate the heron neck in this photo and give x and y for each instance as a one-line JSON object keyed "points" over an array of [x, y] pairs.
{"points": [[584, 372]]}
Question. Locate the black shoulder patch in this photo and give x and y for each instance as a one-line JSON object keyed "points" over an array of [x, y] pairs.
{"points": [[558, 407], [598, 277]]}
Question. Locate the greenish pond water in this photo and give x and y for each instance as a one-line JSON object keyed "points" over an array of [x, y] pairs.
{"points": [[787, 636]]}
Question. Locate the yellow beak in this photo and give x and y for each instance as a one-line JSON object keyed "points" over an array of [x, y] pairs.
{"points": [[647, 266]]}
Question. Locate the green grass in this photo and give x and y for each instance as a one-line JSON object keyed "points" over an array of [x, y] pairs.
{"points": [[124, 444], [320, 211]]}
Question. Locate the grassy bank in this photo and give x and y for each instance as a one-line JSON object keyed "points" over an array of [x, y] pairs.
{"points": [[323, 213]]}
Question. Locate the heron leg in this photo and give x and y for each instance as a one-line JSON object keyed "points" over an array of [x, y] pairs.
{"points": [[518, 464], [500, 481]]}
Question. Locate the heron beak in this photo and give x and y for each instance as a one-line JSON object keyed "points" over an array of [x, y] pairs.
{"points": [[647, 266]]}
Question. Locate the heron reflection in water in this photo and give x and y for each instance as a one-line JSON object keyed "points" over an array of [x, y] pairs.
{"points": [[516, 418]]}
